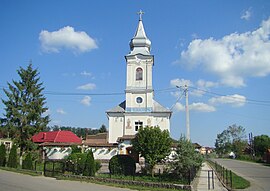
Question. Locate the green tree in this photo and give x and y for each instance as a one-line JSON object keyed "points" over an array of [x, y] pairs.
{"points": [[261, 144], [25, 107], [231, 139], [185, 158], [12, 158], [102, 129], [27, 162], [153, 144], [3, 154], [90, 166]]}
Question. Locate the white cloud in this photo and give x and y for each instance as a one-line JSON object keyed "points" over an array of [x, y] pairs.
{"points": [[86, 101], [233, 100], [87, 74], [201, 107], [61, 111], [246, 14], [180, 82], [233, 57], [89, 86], [179, 107], [66, 38]]}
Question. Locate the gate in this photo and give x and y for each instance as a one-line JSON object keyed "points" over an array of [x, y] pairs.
{"points": [[53, 168]]}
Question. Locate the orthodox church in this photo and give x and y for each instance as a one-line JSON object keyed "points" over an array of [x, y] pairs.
{"points": [[139, 109]]}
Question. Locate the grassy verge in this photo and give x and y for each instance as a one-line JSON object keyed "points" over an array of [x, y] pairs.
{"points": [[132, 187], [238, 182], [22, 171]]}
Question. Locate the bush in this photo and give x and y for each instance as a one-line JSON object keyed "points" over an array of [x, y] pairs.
{"points": [[122, 164], [98, 165], [89, 166], [76, 162], [27, 162], [12, 159], [2, 155]]}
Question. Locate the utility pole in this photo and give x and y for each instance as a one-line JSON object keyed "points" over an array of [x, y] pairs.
{"points": [[187, 113]]}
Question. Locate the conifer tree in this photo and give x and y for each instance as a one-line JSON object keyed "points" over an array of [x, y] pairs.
{"points": [[2, 155], [90, 166], [12, 158], [25, 106], [27, 162]]}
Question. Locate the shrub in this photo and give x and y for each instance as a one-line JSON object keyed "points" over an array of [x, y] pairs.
{"points": [[2, 155], [27, 162], [89, 166], [12, 159], [98, 165], [122, 164]]}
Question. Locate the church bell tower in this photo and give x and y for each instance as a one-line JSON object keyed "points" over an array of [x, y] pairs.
{"points": [[139, 89]]}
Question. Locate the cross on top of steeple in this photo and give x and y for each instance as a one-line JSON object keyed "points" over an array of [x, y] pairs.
{"points": [[140, 13]]}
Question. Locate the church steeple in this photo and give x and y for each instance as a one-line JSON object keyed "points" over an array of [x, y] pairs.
{"points": [[140, 44]]}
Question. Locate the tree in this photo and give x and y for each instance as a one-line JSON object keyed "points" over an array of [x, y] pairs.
{"points": [[3, 154], [24, 107], [261, 144], [12, 158], [102, 129], [153, 144], [185, 158], [27, 162], [231, 139], [90, 166]]}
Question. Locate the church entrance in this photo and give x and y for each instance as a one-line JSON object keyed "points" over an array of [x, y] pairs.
{"points": [[131, 152]]}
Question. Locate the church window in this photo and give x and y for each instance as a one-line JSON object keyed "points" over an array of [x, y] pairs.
{"points": [[139, 74], [139, 100], [138, 124]]}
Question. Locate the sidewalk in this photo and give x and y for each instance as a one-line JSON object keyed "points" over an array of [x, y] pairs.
{"points": [[201, 184]]}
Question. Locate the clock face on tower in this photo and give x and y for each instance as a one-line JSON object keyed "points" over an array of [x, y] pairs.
{"points": [[139, 100]]}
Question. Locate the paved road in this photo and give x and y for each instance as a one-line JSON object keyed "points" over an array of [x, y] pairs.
{"points": [[10, 181], [257, 174]]}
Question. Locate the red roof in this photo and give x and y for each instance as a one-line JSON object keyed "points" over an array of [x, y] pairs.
{"points": [[56, 137]]}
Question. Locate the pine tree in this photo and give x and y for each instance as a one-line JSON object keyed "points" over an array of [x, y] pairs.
{"points": [[27, 162], [2, 155], [25, 106], [12, 158], [90, 166]]}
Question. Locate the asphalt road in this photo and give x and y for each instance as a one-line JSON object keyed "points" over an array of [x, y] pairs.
{"points": [[257, 174], [10, 181]]}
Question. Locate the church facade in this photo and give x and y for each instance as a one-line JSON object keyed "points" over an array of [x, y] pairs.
{"points": [[139, 109]]}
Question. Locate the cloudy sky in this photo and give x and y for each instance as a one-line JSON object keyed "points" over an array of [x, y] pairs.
{"points": [[220, 49]]}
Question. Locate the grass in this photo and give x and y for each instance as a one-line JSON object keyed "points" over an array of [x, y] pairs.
{"points": [[239, 182], [147, 178], [132, 187], [22, 171]]}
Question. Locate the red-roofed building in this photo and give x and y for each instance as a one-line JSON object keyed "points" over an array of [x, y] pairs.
{"points": [[56, 137], [56, 144]]}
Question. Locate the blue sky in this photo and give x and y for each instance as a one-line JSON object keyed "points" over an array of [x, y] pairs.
{"points": [[220, 48]]}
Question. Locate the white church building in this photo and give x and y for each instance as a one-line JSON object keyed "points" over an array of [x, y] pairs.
{"points": [[139, 109]]}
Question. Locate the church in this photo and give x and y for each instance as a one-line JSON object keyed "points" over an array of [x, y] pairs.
{"points": [[139, 109]]}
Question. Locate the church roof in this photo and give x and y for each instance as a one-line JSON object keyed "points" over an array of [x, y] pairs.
{"points": [[119, 108], [140, 44], [56, 137], [159, 108]]}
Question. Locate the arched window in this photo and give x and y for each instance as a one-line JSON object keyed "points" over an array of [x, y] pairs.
{"points": [[139, 74]]}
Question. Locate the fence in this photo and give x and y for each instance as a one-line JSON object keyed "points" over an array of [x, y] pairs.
{"points": [[224, 175]]}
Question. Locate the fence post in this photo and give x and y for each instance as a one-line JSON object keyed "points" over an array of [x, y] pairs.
{"points": [[53, 169], [208, 177], [213, 183], [231, 178], [44, 168], [226, 177]]}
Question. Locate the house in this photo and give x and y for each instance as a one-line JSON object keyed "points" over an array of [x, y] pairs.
{"points": [[101, 148], [56, 144]]}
